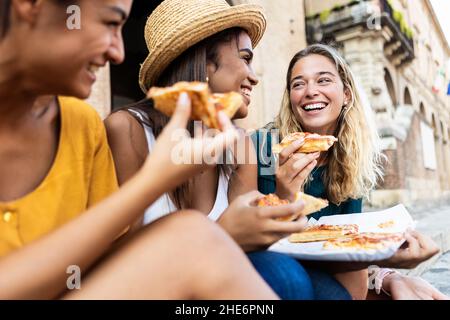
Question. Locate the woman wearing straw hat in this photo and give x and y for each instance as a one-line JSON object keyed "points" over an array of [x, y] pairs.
{"points": [[213, 42], [51, 154]]}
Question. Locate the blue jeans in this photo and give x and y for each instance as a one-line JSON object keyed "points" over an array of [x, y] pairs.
{"points": [[290, 281]]}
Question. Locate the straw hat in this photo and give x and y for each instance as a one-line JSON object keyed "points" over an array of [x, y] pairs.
{"points": [[176, 25]]}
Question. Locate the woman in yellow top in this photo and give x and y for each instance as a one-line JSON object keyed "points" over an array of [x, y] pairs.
{"points": [[81, 173], [54, 164]]}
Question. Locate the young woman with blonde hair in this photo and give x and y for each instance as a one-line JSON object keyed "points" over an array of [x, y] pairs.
{"points": [[213, 42], [321, 97]]}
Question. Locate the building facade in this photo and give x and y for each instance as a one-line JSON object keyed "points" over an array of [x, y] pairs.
{"points": [[396, 49]]}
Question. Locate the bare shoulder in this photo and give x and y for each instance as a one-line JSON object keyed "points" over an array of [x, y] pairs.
{"points": [[127, 140], [123, 128]]}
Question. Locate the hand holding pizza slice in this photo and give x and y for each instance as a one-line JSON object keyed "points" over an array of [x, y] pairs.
{"points": [[205, 106]]}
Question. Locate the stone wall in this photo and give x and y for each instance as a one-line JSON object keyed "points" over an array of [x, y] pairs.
{"points": [[100, 97]]}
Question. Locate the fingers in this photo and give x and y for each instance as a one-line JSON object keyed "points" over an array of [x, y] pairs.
{"points": [[224, 121], [227, 137], [413, 245], [303, 175], [295, 165], [426, 243], [304, 161], [285, 210], [250, 198], [437, 295], [182, 112], [286, 153]]}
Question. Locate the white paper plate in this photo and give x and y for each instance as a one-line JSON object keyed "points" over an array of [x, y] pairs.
{"points": [[367, 222]]}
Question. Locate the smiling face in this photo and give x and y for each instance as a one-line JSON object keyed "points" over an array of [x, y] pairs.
{"points": [[233, 71], [317, 94], [59, 60]]}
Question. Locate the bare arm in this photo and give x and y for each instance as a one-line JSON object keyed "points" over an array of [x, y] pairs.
{"points": [[39, 269], [126, 138], [245, 178]]}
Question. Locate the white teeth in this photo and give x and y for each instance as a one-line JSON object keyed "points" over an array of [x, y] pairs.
{"points": [[246, 92], [93, 68], [315, 106]]}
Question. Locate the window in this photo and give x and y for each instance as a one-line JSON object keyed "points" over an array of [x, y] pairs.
{"points": [[407, 97], [390, 86]]}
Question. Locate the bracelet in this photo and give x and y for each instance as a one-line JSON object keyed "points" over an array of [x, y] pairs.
{"points": [[381, 274]]}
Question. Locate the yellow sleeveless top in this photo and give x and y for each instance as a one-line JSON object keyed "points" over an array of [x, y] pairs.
{"points": [[82, 174]]}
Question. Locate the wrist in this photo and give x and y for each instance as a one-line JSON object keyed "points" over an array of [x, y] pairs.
{"points": [[388, 279]]}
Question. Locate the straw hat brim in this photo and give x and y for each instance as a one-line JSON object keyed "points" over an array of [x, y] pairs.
{"points": [[247, 16]]}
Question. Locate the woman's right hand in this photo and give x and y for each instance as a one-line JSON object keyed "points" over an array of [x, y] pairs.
{"points": [[293, 169], [178, 156], [254, 227]]}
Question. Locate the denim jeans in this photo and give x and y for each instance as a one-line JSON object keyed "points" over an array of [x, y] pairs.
{"points": [[290, 281]]}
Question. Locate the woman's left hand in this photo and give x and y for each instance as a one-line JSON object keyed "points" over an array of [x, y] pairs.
{"points": [[417, 248], [411, 288]]}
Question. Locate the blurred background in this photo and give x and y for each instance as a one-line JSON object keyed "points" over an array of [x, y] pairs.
{"points": [[398, 51]]}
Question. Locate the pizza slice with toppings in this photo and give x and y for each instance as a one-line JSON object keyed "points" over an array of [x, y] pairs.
{"points": [[313, 142], [323, 232], [364, 241], [204, 105]]}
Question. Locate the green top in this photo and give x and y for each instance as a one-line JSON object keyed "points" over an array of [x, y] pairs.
{"points": [[262, 140]]}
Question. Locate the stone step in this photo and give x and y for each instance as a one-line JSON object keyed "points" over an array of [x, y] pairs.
{"points": [[434, 222], [439, 274]]}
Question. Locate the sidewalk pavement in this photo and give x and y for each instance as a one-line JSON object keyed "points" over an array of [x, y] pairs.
{"points": [[439, 274], [434, 222]]}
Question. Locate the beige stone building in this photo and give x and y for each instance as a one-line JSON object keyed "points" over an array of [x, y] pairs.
{"points": [[285, 35], [395, 48]]}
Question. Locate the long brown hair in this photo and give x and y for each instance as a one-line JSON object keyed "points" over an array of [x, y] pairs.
{"points": [[189, 66], [5, 6]]}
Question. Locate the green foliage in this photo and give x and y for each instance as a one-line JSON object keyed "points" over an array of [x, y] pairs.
{"points": [[398, 17], [324, 15]]}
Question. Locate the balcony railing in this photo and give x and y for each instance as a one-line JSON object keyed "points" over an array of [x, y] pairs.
{"points": [[369, 14]]}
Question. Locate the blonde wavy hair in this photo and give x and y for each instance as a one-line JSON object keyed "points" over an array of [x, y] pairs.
{"points": [[354, 162]]}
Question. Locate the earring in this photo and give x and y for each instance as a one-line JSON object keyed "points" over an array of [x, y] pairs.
{"points": [[207, 79]]}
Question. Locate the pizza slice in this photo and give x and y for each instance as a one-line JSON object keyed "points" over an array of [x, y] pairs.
{"points": [[364, 241], [272, 199], [204, 104], [312, 204], [313, 142], [229, 102], [323, 232]]}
